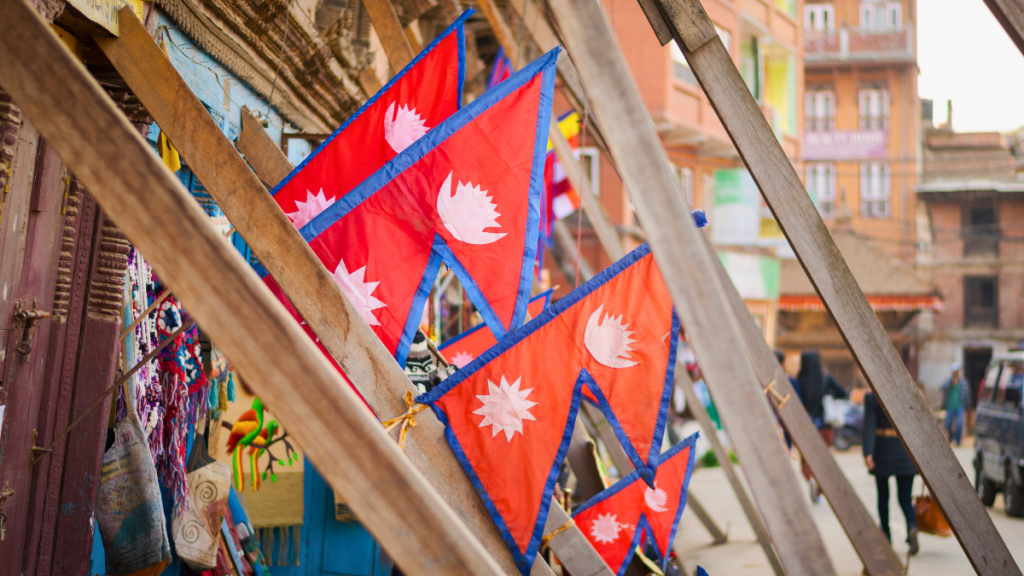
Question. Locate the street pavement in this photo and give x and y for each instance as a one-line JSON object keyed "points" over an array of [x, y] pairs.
{"points": [[742, 556]]}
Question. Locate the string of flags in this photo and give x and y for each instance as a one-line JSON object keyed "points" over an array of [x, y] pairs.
{"points": [[413, 180], [509, 414]]}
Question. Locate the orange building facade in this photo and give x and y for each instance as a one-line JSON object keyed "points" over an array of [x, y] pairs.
{"points": [[862, 124]]}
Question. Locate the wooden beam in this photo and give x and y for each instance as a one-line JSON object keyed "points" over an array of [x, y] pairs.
{"points": [[1010, 14], [700, 413], [390, 32], [573, 550], [867, 538], [838, 289], [223, 294], [616, 104]]}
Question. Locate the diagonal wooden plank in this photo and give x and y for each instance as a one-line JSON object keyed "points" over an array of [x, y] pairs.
{"points": [[620, 112], [572, 547], [299, 272], [838, 289], [390, 32], [229, 301], [1010, 14], [867, 538]]}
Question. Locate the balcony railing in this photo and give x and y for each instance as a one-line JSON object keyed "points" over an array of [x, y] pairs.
{"points": [[855, 44]]}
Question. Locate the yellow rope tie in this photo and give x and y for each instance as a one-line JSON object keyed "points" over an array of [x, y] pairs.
{"points": [[546, 539], [770, 389], [407, 420]]}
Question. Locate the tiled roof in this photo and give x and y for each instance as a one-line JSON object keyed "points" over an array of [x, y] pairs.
{"points": [[878, 272]]}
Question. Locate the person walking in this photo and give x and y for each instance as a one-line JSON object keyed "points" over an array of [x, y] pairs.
{"points": [[885, 457], [956, 398], [814, 385]]}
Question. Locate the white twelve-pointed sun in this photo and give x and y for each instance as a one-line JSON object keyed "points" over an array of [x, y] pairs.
{"points": [[402, 127], [359, 291], [462, 358], [311, 208], [468, 212], [655, 498], [605, 529], [608, 340], [505, 407]]}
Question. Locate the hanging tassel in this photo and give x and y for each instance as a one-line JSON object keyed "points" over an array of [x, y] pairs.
{"points": [[222, 396], [211, 400], [231, 388], [282, 554], [265, 544], [296, 542], [270, 545]]}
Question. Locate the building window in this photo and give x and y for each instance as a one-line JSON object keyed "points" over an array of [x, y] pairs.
{"points": [[881, 16], [819, 17], [980, 230], [874, 189], [981, 301], [821, 185], [752, 67], [590, 160], [680, 67], [685, 176], [819, 111], [874, 109]]}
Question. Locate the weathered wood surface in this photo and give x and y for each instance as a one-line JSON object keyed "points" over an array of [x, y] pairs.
{"points": [[700, 413], [1010, 14], [76, 116], [838, 289], [571, 547], [616, 103], [574, 545], [867, 538], [389, 30]]}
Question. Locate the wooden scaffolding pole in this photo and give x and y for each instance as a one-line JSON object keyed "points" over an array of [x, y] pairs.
{"points": [[1010, 14], [619, 110], [230, 302], [838, 289]]}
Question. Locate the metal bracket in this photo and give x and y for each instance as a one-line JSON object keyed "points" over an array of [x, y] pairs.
{"points": [[27, 319]]}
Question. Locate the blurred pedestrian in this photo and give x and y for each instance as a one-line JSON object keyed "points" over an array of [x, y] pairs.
{"points": [[956, 398], [885, 457], [814, 385]]}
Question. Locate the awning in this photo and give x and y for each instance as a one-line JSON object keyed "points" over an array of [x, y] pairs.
{"points": [[878, 303]]}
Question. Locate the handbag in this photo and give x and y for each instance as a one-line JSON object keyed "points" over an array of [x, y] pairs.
{"points": [[197, 530], [129, 511], [930, 518]]}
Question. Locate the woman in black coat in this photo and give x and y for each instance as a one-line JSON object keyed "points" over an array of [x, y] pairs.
{"points": [[885, 456]]}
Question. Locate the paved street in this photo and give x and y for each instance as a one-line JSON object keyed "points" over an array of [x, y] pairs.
{"points": [[742, 556]]}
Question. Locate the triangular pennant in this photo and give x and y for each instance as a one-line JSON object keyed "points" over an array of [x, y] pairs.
{"points": [[509, 414], [465, 347], [467, 194], [614, 520]]}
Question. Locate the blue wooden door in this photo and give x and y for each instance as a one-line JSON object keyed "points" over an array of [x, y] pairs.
{"points": [[330, 547]]}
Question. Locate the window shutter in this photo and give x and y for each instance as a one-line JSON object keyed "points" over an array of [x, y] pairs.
{"points": [[895, 16], [865, 16], [865, 189], [864, 110], [887, 187], [809, 17]]}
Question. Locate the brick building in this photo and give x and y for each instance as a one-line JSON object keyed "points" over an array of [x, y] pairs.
{"points": [[972, 244], [861, 116]]}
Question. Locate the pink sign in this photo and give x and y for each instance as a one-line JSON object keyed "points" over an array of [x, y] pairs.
{"points": [[845, 144]]}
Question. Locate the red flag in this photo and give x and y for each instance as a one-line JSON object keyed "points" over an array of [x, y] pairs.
{"points": [[467, 194], [509, 414], [415, 101], [465, 347], [419, 98], [614, 520]]}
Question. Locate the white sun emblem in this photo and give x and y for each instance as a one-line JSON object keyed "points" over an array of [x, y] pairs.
{"points": [[655, 498], [402, 127], [359, 292], [608, 340], [311, 208], [462, 358], [605, 529], [468, 212], [505, 407]]}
